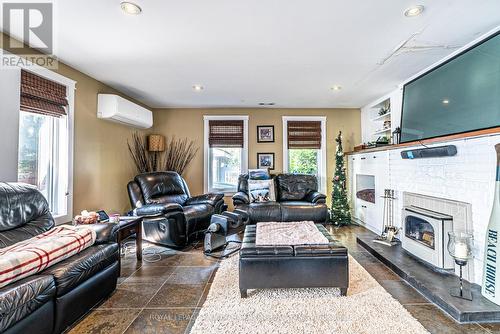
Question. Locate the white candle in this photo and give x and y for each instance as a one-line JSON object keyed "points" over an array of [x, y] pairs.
{"points": [[461, 251]]}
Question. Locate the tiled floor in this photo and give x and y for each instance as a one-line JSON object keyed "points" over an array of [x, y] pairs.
{"points": [[165, 296], [154, 297]]}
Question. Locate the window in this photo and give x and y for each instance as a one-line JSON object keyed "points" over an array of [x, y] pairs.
{"points": [[303, 161], [304, 147], [44, 155], [226, 152]]}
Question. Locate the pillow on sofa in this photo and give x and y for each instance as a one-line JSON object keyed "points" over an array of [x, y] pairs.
{"points": [[261, 190], [258, 174]]}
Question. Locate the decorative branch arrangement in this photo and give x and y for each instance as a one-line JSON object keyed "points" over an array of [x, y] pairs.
{"points": [[176, 156], [139, 152]]}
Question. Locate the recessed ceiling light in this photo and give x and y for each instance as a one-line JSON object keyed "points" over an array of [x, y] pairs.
{"points": [[336, 87], [414, 11], [446, 101], [130, 8], [198, 88]]}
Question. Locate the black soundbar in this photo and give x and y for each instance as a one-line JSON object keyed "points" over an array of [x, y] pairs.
{"points": [[430, 152]]}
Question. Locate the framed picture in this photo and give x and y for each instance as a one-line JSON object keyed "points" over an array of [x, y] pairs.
{"points": [[265, 160], [265, 134]]}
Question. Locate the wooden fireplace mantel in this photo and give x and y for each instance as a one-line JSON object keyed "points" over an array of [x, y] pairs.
{"points": [[471, 134]]}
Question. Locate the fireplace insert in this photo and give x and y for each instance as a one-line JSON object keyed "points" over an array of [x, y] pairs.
{"points": [[425, 236], [419, 230]]}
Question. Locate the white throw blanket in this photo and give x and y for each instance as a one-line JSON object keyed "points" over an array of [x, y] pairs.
{"points": [[289, 234], [33, 255]]}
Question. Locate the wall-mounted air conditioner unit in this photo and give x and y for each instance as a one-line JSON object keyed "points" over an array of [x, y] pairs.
{"points": [[115, 108]]}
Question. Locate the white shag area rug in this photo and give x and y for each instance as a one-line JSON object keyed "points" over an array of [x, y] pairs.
{"points": [[367, 308]]}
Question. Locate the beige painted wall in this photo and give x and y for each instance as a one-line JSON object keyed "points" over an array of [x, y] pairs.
{"points": [[102, 166], [189, 123]]}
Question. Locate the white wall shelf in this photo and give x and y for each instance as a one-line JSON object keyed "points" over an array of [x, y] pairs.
{"points": [[381, 117], [371, 121], [378, 132]]}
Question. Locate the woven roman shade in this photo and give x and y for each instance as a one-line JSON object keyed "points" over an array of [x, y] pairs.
{"points": [[225, 133], [42, 96], [304, 134]]}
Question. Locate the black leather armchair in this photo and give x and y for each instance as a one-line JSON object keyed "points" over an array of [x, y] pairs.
{"points": [[172, 215], [297, 199], [53, 299]]}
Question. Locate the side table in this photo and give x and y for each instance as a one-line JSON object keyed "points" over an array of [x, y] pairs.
{"points": [[127, 228]]}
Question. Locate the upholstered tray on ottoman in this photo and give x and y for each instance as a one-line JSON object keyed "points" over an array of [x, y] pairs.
{"points": [[287, 266]]}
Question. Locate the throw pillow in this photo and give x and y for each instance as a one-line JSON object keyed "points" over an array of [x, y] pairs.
{"points": [[258, 174], [261, 190]]}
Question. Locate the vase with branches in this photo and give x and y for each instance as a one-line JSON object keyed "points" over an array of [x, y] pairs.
{"points": [[177, 155]]}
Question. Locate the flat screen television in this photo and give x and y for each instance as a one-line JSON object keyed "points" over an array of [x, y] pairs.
{"points": [[460, 95]]}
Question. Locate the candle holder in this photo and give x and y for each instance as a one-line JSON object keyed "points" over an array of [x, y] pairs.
{"points": [[460, 248]]}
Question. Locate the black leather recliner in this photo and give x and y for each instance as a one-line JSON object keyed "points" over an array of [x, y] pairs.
{"points": [[297, 199], [172, 216], [52, 300]]}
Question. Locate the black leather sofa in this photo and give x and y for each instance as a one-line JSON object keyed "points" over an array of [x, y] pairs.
{"points": [[52, 300], [171, 216], [297, 199]]}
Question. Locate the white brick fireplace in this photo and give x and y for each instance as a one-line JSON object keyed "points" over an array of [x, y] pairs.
{"points": [[467, 177]]}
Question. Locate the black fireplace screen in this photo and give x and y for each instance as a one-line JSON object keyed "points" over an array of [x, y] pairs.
{"points": [[419, 230]]}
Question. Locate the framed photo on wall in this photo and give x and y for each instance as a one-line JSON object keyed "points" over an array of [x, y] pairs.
{"points": [[265, 160], [265, 133]]}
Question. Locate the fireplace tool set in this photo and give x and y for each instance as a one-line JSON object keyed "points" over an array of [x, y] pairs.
{"points": [[390, 231]]}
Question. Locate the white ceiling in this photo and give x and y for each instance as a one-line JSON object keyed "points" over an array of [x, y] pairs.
{"points": [[244, 52]]}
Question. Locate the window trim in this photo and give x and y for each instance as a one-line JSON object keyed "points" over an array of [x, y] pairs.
{"points": [[70, 95], [206, 155], [322, 156]]}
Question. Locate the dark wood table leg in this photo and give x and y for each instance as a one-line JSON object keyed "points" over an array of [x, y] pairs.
{"points": [[119, 240], [138, 242]]}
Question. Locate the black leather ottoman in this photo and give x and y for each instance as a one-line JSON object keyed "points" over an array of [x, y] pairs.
{"points": [[307, 266]]}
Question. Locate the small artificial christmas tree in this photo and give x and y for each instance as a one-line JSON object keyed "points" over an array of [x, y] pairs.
{"points": [[340, 213]]}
